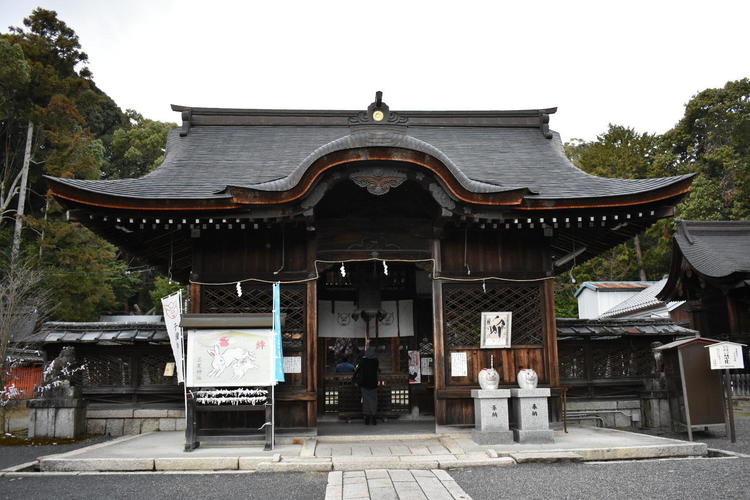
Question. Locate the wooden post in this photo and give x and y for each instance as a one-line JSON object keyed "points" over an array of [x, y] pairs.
{"points": [[439, 338], [312, 351], [195, 298], [550, 324], [730, 409]]}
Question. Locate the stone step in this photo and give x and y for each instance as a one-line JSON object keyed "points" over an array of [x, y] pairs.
{"points": [[546, 457]]}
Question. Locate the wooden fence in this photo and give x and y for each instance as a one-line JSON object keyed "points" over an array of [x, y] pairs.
{"points": [[741, 384]]}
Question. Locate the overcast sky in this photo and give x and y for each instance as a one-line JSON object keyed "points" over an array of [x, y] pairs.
{"points": [[631, 63]]}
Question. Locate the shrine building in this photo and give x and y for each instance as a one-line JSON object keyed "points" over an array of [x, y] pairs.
{"points": [[399, 227]]}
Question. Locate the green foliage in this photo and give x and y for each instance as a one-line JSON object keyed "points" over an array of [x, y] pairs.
{"points": [[619, 152], [137, 148], [74, 152], [85, 277], [15, 74], [713, 139], [162, 288]]}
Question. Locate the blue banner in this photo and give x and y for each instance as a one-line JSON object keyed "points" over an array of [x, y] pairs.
{"points": [[277, 332]]}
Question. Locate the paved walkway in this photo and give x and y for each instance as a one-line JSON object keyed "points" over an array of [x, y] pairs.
{"points": [[163, 451], [382, 484]]}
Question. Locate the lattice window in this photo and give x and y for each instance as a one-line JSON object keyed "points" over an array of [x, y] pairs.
{"points": [[152, 368], [106, 369], [463, 305], [400, 399], [259, 299], [426, 348], [572, 360], [611, 360], [331, 401]]}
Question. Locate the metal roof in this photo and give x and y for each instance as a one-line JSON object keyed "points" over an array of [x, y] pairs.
{"points": [[613, 286], [643, 300]]}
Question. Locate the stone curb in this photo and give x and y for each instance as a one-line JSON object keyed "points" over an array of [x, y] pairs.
{"points": [[251, 463], [196, 463], [96, 446], [294, 467], [546, 457], [480, 462], [642, 452], [96, 464]]}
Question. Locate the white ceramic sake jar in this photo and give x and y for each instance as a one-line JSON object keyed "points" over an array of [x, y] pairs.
{"points": [[527, 378], [489, 379]]}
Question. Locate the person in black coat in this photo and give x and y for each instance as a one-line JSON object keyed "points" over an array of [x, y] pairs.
{"points": [[366, 376]]}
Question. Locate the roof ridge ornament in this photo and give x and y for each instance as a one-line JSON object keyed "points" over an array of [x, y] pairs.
{"points": [[544, 124], [378, 113]]}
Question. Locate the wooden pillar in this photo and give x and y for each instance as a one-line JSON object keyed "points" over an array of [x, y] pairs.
{"points": [[438, 334], [311, 327], [733, 316], [312, 351], [550, 324], [195, 298]]}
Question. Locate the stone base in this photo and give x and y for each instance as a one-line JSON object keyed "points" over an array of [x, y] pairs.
{"points": [[51, 418], [491, 437], [534, 436]]}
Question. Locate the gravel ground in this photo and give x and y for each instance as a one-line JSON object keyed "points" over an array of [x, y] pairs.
{"points": [[680, 479], [717, 437], [14, 455], [281, 485]]}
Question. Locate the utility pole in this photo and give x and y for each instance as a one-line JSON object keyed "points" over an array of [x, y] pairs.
{"points": [[22, 195]]}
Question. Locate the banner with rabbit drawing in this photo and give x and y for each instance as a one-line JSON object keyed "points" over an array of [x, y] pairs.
{"points": [[230, 358]]}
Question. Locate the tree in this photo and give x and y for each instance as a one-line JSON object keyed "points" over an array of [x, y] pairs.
{"points": [[162, 288], [85, 276], [14, 76], [713, 139], [137, 148], [23, 296]]}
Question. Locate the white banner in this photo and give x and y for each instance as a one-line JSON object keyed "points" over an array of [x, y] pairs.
{"points": [[172, 305], [335, 320]]}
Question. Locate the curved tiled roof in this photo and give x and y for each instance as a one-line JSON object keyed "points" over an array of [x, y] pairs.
{"points": [[483, 156], [715, 248]]}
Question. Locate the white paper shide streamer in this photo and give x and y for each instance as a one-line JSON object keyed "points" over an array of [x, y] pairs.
{"points": [[231, 396]]}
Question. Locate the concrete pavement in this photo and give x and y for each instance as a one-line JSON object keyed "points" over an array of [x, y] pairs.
{"points": [[163, 451]]}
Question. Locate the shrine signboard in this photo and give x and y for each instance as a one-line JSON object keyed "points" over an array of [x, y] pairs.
{"points": [[726, 356], [230, 358]]}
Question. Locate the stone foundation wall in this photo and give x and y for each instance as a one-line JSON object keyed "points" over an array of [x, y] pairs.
{"points": [[118, 422], [614, 413], [741, 403]]}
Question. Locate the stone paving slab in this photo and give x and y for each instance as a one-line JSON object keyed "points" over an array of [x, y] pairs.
{"points": [[381, 484]]}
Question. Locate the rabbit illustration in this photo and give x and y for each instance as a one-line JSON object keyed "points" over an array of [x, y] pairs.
{"points": [[243, 364], [230, 357]]}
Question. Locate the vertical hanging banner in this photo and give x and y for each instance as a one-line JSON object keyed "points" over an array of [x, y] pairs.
{"points": [[172, 305], [277, 331]]}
